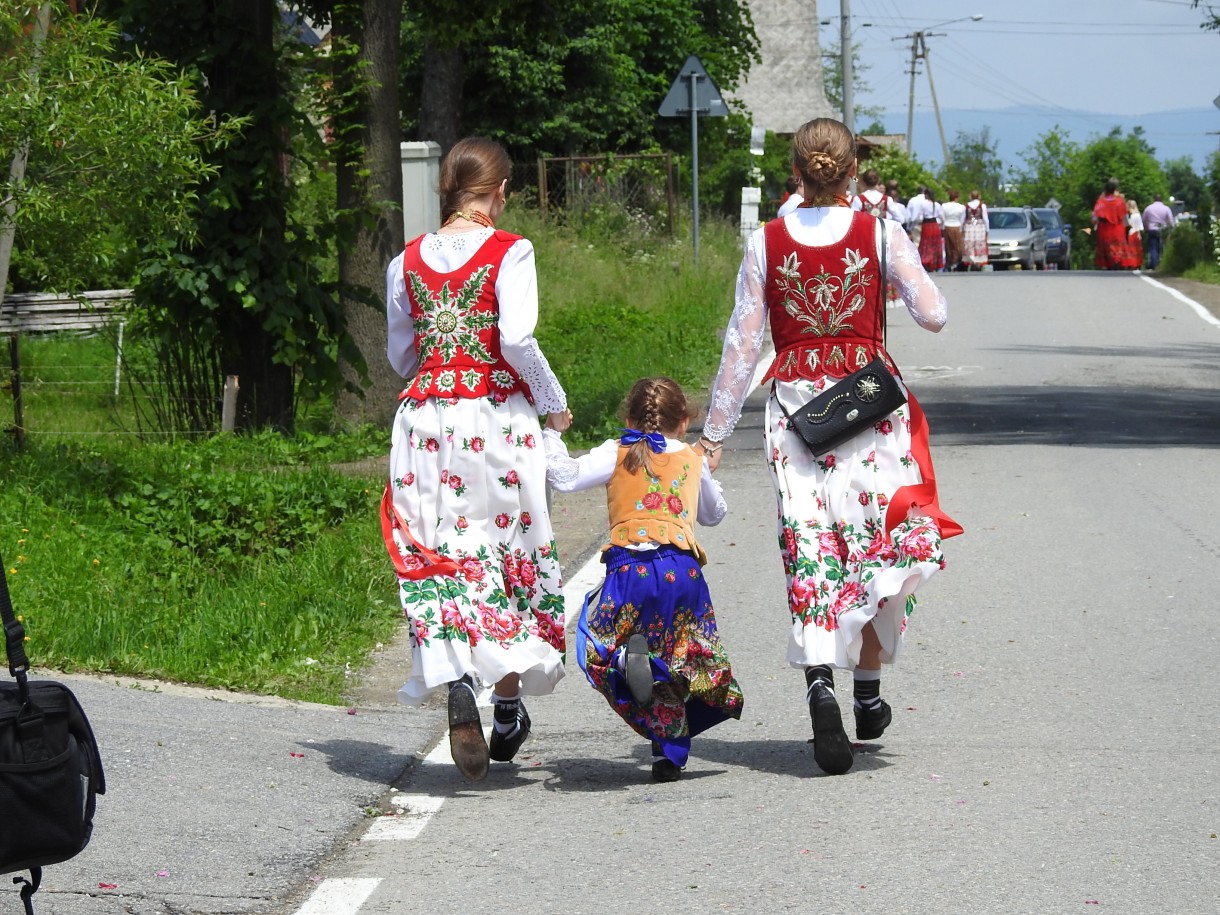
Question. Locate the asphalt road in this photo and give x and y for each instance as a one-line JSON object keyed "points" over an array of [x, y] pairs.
{"points": [[1056, 742]]}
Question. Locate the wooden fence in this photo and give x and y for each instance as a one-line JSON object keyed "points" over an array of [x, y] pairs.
{"points": [[37, 313]]}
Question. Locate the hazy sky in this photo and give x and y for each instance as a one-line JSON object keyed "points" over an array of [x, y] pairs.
{"points": [[1108, 56]]}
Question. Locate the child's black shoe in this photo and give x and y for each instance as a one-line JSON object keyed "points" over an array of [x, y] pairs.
{"points": [[664, 769]]}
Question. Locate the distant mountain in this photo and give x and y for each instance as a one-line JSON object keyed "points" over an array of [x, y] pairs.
{"points": [[1183, 132]]}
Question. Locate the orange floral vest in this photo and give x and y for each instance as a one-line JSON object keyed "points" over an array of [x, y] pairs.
{"points": [[662, 509]]}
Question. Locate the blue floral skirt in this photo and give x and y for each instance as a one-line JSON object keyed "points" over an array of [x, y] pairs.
{"points": [[661, 593]]}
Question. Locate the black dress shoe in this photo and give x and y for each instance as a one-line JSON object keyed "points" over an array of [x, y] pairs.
{"points": [[505, 746], [466, 742], [831, 748], [871, 723], [637, 668], [664, 769]]}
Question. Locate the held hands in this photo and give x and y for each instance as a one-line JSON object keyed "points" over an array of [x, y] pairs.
{"points": [[560, 422], [711, 452]]}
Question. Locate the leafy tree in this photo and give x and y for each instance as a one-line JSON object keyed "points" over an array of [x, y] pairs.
{"points": [[249, 284], [1128, 158], [1187, 186], [360, 97], [832, 85], [113, 149], [565, 78], [892, 164], [1047, 173], [975, 165]]}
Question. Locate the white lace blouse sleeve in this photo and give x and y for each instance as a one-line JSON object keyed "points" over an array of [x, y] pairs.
{"points": [[400, 343], [712, 507], [904, 270], [743, 343], [569, 474], [517, 291]]}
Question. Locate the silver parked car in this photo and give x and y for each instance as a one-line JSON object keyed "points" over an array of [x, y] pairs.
{"points": [[1015, 235]]}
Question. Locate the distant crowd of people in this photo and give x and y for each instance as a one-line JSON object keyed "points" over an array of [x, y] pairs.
{"points": [[951, 236], [1121, 227]]}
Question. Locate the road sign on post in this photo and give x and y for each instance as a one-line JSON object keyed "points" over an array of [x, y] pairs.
{"points": [[693, 93]]}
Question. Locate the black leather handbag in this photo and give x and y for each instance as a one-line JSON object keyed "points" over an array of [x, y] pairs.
{"points": [[50, 767], [862, 399]]}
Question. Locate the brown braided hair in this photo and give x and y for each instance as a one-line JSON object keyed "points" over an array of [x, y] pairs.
{"points": [[654, 405]]}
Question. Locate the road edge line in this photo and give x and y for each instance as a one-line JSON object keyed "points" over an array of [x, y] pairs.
{"points": [[1181, 296]]}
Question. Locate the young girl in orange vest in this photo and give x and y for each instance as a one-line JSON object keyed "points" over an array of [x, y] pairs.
{"points": [[649, 641]]}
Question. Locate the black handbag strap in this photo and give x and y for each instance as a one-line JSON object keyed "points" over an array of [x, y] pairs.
{"points": [[14, 637], [883, 263], [883, 259]]}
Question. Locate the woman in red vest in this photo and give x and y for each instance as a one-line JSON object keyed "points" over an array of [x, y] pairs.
{"points": [[464, 515], [861, 526], [1110, 228]]}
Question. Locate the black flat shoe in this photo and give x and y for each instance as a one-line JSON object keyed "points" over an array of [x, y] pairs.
{"points": [[664, 769], [637, 668], [466, 742], [871, 723], [504, 747], [831, 748]]}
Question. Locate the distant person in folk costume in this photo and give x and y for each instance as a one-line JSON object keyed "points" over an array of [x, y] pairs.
{"points": [[1135, 230], [860, 527], [896, 204], [874, 200], [931, 239], [648, 639], [793, 199], [465, 515], [954, 212], [915, 213], [1110, 228], [974, 232]]}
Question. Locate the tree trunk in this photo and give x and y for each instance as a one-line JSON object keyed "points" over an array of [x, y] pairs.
{"points": [[440, 107], [369, 179], [265, 398]]}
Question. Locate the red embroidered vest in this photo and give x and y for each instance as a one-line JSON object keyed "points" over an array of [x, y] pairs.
{"points": [[878, 209], [826, 304], [456, 317]]}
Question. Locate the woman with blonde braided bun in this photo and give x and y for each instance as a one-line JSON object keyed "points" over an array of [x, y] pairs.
{"points": [[860, 527], [650, 644]]}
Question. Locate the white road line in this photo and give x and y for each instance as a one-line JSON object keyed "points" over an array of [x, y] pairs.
{"points": [[1199, 309], [414, 813], [339, 896]]}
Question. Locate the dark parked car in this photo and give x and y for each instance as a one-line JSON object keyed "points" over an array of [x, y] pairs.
{"points": [[1015, 236], [1058, 238]]}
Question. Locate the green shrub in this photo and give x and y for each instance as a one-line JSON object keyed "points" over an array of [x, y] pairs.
{"points": [[1183, 250]]}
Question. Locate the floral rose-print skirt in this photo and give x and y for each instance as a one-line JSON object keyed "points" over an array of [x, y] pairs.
{"points": [[468, 477], [843, 570], [661, 593]]}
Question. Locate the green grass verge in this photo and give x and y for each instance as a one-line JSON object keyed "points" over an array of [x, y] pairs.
{"points": [[248, 563]]}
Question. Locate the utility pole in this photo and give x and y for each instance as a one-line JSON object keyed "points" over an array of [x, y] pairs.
{"points": [[916, 38], [927, 62], [849, 104], [919, 51]]}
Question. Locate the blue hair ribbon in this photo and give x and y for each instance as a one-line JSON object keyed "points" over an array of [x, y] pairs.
{"points": [[656, 441]]}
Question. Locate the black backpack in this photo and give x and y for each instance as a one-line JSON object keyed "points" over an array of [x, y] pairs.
{"points": [[50, 767]]}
